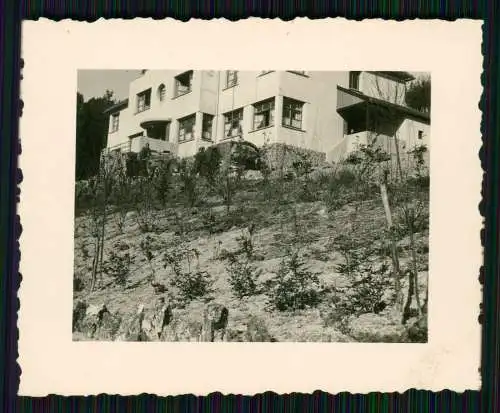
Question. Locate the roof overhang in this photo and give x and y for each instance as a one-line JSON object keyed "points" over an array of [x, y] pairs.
{"points": [[399, 76], [147, 123], [117, 106], [353, 100]]}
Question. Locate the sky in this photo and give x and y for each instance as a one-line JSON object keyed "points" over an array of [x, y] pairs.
{"points": [[93, 83]]}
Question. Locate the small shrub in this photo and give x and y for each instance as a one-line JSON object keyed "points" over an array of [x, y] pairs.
{"points": [[143, 197], [303, 165], [245, 242], [117, 265], [189, 182], [78, 284], [305, 192], [191, 283], [339, 189], [84, 250], [369, 276], [149, 246], [243, 276], [295, 286], [147, 219], [164, 181]]}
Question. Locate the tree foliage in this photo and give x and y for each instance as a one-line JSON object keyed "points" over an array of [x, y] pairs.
{"points": [[418, 95], [91, 133]]}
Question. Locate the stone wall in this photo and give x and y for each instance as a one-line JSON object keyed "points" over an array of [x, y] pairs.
{"points": [[279, 154]]}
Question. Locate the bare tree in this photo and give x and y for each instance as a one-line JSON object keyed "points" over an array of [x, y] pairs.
{"points": [[102, 185], [387, 120]]}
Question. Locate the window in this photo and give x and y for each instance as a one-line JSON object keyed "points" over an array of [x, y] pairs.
{"points": [[206, 131], [143, 101], [232, 123], [354, 80], [231, 78], [183, 83], [115, 121], [263, 114], [420, 134], [159, 131], [292, 113], [186, 128], [161, 92]]}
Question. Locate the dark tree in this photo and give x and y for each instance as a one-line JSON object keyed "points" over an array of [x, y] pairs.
{"points": [[91, 133], [418, 96], [207, 163]]}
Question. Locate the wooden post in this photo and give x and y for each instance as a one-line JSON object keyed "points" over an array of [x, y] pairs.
{"points": [[394, 252]]}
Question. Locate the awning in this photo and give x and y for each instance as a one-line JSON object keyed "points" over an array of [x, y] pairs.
{"points": [[147, 123]]}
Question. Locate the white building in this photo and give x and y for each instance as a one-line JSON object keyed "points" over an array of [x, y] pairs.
{"points": [[182, 111]]}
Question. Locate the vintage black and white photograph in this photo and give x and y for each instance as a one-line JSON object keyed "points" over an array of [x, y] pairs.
{"points": [[212, 213], [251, 206]]}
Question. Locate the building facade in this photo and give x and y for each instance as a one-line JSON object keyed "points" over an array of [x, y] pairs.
{"points": [[180, 112]]}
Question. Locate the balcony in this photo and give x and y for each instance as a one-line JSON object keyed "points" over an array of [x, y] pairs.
{"points": [[155, 145], [355, 105], [137, 143]]}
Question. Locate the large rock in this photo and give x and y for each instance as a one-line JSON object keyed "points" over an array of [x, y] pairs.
{"points": [[108, 326], [215, 319], [156, 319], [92, 320], [131, 326], [417, 332], [257, 331], [374, 328], [182, 330], [79, 312]]}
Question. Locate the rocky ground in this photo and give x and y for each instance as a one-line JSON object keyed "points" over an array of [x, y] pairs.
{"points": [[136, 310]]}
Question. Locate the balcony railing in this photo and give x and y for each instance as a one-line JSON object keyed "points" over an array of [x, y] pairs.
{"points": [[139, 142], [155, 145]]}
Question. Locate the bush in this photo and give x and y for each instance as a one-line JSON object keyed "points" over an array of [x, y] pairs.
{"points": [[368, 275], [207, 163], [245, 157], [189, 181], [164, 180], [193, 284], [243, 276], [146, 214], [339, 189], [295, 287], [118, 263], [78, 284], [303, 165], [148, 247], [190, 283]]}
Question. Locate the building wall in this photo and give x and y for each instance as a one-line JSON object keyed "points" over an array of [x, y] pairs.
{"points": [[407, 135], [121, 135], [380, 87], [322, 127], [408, 132], [251, 87]]}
